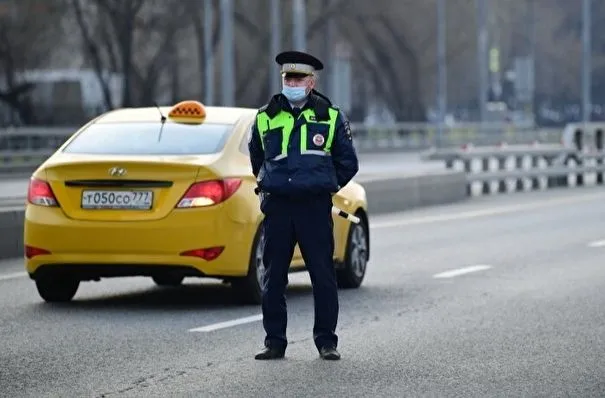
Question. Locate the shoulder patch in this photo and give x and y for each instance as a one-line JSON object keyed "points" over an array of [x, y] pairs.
{"points": [[348, 130]]}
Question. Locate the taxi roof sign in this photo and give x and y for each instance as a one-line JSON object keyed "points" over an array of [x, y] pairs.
{"points": [[188, 111]]}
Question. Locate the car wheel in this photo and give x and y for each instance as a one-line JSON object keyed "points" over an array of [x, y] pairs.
{"points": [[168, 280], [57, 288], [356, 257], [249, 288]]}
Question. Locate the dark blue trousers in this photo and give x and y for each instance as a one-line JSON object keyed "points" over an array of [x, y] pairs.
{"points": [[307, 221]]}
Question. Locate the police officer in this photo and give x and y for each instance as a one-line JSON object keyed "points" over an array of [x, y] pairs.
{"points": [[301, 153]]}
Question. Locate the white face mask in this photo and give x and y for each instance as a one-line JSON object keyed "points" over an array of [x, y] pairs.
{"points": [[294, 94]]}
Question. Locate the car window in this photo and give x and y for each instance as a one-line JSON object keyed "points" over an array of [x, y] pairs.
{"points": [[150, 139]]}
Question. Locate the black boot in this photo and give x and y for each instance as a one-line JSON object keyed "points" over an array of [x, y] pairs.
{"points": [[270, 353], [329, 353]]}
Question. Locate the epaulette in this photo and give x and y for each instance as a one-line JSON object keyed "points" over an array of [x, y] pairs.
{"points": [[272, 108]]}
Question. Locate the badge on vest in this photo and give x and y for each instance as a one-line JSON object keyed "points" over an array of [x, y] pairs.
{"points": [[318, 139]]}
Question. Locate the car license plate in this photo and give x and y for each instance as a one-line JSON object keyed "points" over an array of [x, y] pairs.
{"points": [[138, 200]]}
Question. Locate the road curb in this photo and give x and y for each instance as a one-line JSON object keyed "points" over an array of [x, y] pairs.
{"points": [[386, 194]]}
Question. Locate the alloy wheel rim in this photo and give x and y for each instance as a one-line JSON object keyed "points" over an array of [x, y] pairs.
{"points": [[359, 249]]}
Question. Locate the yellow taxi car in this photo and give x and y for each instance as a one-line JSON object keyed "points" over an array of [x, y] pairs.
{"points": [[164, 192]]}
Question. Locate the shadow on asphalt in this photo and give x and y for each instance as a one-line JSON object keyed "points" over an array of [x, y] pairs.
{"points": [[188, 297]]}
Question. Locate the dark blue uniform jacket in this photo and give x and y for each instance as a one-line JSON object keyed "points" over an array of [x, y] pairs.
{"points": [[296, 174]]}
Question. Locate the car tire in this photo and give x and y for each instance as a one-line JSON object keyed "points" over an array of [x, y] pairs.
{"points": [[57, 289], [352, 272], [249, 288]]}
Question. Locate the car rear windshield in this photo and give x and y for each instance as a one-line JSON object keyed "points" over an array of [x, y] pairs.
{"points": [[150, 139]]}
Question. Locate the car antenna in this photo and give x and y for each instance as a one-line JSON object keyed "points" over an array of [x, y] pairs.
{"points": [[162, 119]]}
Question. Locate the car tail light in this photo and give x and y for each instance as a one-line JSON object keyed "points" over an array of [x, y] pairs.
{"points": [[31, 251], [208, 254], [40, 193], [208, 193]]}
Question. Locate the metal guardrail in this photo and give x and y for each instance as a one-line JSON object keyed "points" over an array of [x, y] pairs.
{"points": [[518, 168], [22, 149], [22, 161], [422, 136]]}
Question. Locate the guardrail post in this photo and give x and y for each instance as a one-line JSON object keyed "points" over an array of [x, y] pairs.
{"points": [[535, 180], [580, 175], [599, 164], [502, 167], [519, 166], [468, 163], [578, 139], [485, 165], [579, 159], [552, 180], [599, 157]]}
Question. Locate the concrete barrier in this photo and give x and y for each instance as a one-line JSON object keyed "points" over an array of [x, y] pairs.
{"points": [[11, 232], [390, 193]]}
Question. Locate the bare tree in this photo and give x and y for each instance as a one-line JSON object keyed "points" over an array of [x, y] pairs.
{"points": [[28, 29], [395, 44], [135, 38], [196, 13], [157, 47]]}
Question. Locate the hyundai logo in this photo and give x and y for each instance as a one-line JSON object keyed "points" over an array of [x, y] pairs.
{"points": [[117, 172]]}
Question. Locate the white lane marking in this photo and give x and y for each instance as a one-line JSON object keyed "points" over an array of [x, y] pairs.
{"points": [[462, 271], [228, 324], [481, 213], [15, 275], [598, 243]]}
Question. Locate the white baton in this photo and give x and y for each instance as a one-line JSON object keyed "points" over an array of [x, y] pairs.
{"points": [[346, 215]]}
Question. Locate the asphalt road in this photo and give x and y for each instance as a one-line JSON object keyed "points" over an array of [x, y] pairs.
{"points": [[13, 190], [500, 296]]}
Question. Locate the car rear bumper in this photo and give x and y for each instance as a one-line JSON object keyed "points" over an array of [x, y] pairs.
{"points": [[137, 247]]}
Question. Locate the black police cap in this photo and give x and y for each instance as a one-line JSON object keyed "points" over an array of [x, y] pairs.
{"points": [[297, 62]]}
